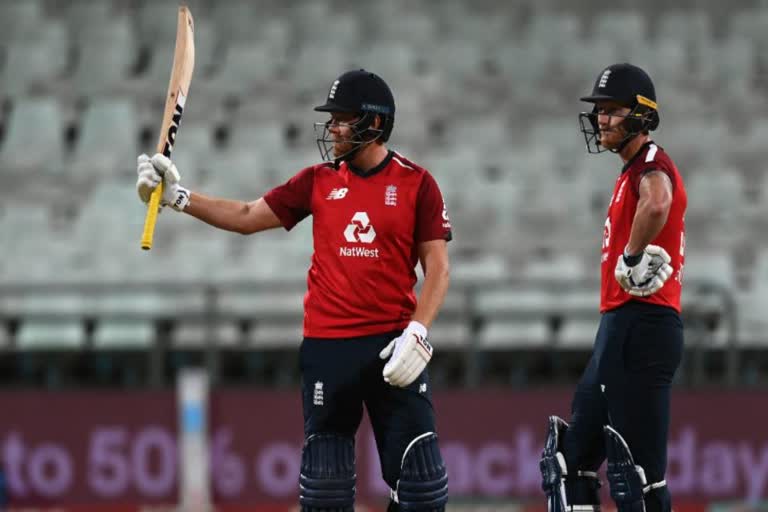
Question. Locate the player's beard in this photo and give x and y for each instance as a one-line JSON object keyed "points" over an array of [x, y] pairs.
{"points": [[611, 137], [341, 147]]}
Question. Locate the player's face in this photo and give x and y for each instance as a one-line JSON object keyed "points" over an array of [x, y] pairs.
{"points": [[610, 119], [340, 127]]}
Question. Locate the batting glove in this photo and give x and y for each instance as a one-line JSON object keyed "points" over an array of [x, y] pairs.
{"points": [[151, 171], [410, 354], [644, 274]]}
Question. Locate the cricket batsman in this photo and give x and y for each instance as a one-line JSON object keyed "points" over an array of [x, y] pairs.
{"points": [[621, 407], [375, 216]]}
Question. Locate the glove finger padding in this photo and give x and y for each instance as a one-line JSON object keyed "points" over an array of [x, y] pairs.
{"points": [[413, 372], [148, 180], [387, 351], [166, 168], [665, 272], [657, 250], [392, 368], [410, 354], [415, 360]]}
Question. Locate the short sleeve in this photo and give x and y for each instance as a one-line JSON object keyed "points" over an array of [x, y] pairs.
{"points": [[432, 222], [638, 176], [291, 201], [654, 161]]}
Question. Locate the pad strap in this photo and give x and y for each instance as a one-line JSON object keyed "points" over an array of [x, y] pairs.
{"points": [[423, 482]]}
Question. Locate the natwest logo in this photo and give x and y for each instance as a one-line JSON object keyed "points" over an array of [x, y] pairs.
{"points": [[360, 230]]}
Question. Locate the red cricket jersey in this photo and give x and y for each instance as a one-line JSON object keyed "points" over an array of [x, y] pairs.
{"points": [[366, 230], [621, 213]]}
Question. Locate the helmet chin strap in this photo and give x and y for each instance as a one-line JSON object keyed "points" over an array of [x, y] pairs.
{"points": [[626, 140], [349, 155]]}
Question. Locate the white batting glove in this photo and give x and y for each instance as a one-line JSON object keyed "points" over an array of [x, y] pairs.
{"points": [[647, 275], [410, 354], [151, 171]]}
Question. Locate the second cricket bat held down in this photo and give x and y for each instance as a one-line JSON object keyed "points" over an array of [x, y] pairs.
{"points": [[178, 89]]}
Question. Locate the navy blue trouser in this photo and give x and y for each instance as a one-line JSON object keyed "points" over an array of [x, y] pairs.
{"points": [[339, 376], [627, 384]]}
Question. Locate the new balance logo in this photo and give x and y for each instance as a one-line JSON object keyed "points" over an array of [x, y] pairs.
{"points": [[423, 387], [318, 396], [338, 193]]}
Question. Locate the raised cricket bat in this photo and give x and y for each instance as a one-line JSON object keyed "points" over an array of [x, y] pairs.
{"points": [[178, 88]]}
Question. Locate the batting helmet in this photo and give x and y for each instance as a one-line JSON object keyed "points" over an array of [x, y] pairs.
{"points": [[629, 86], [357, 92]]}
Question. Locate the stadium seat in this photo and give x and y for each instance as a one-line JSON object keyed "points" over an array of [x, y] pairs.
{"points": [[105, 59], [752, 320], [340, 31], [275, 335], [112, 334], [622, 28], [488, 269], [418, 28], [64, 335], [449, 335], [528, 64], [709, 266], [576, 334], [554, 29], [19, 17], [690, 26], [561, 268], [150, 303], [108, 142], [485, 29], [30, 65], [238, 20], [726, 65], [47, 303], [316, 66], [85, 12], [39, 120], [456, 60], [509, 335], [195, 335], [514, 301], [580, 62], [750, 24], [391, 59], [264, 304], [244, 68], [714, 192], [579, 302], [666, 61]]}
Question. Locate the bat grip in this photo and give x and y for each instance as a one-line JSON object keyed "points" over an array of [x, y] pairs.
{"points": [[153, 208]]}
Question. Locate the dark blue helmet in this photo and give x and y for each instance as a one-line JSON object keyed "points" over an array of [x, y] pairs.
{"points": [[358, 92], [629, 86]]}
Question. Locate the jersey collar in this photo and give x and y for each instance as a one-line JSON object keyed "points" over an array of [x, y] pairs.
{"points": [[639, 152], [375, 170]]}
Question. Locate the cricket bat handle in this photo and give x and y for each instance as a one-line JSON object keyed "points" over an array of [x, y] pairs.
{"points": [[153, 208]]}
